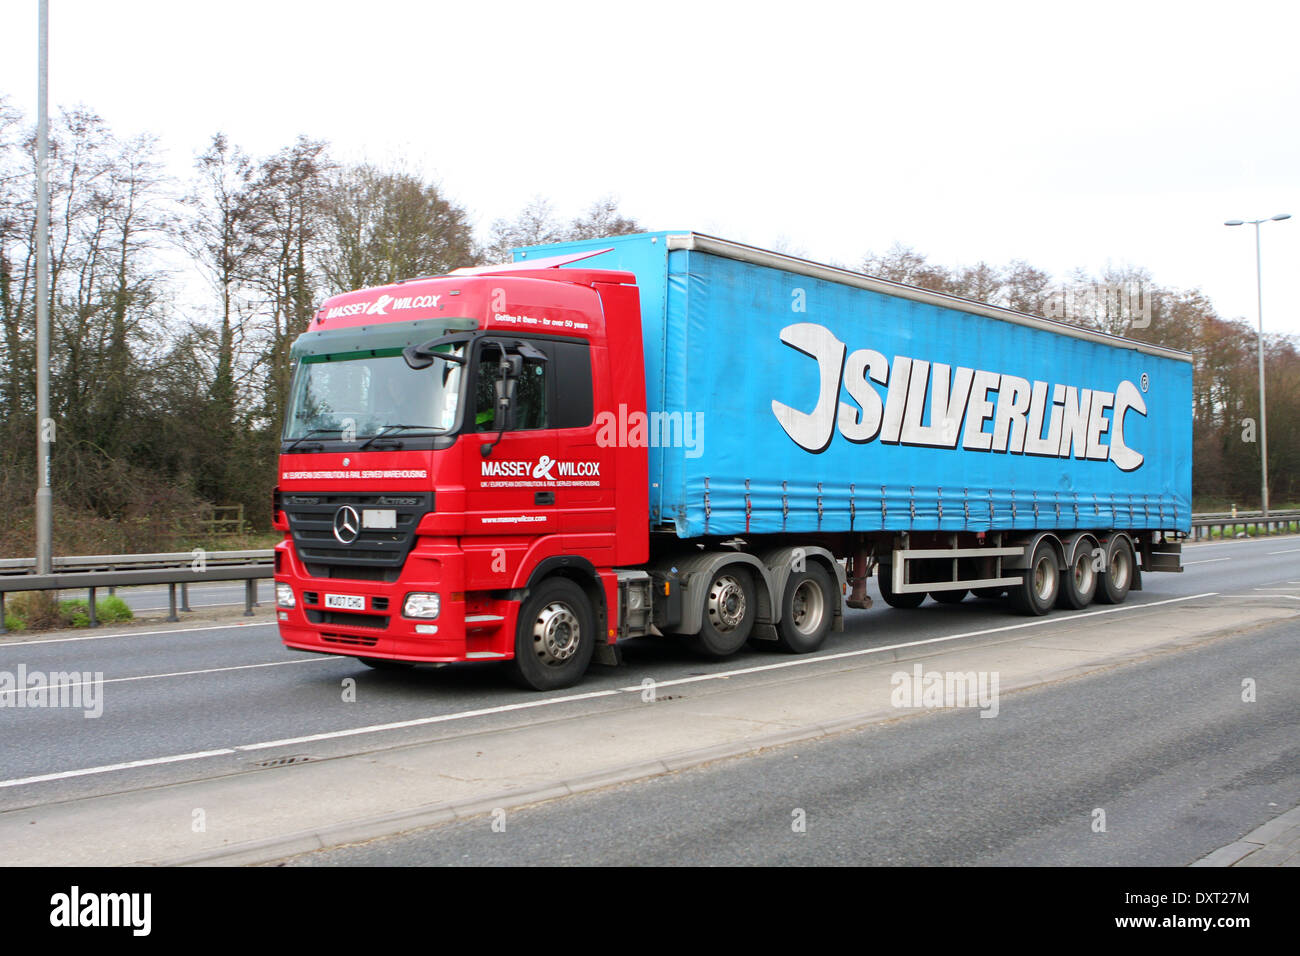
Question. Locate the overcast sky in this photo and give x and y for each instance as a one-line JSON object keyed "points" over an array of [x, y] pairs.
{"points": [[1068, 135]]}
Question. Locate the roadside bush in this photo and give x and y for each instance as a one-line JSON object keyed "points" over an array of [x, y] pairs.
{"points": [[76, 613], [40, 610], [34, 609], [113, 609]]}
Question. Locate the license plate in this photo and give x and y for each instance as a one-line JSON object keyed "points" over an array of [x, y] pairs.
{"points": [[347, 602], [381, 518]]}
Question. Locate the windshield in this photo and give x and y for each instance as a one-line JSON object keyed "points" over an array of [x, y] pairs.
{"points": [[361, 395]]}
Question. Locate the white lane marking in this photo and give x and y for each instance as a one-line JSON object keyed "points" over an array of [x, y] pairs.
{"points": [[420, 721], [1278, 587], [1289, 551], [163, 607], [1243, 543], [206, 670], [105, 637], [1206, 561], [129, 765], [398, 725], [932, 640], [570, 698]]}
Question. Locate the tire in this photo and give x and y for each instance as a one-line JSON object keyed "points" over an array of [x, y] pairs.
{"points": [[949, 597], [1114, 583], [729, 610], [1078, 582], [989, 594], [1036, 594], [807, 609], [884, 580], [384, 664], [555, 636]]}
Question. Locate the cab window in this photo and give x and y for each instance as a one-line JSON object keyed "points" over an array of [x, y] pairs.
{"points": [[530, 409]]}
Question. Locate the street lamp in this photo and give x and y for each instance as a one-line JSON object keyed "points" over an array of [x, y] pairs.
{"points": [[1259, 293]]}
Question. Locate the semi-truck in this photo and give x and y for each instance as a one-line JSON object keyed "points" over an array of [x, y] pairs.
{"points": [[675, 435]]}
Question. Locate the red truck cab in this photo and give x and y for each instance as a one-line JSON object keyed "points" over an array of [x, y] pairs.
{"points": [[443, 466]]}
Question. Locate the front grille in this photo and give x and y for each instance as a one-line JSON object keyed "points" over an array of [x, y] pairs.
{"points": [[387, 575], [376, 554], [351, 640], [347, 619]]}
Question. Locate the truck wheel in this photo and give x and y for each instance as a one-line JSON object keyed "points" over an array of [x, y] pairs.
{"points": [[949, 597], [807, 610], [885, 581], [1036, 594], [384, 664], [1113, 584], [1078, 583], [729, 607], [989, 594], [555, 637]]}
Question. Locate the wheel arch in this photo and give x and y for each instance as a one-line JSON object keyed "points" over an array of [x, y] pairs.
{"points": [[697, 570], [780, 562], [582, 573], [1030, 544]]}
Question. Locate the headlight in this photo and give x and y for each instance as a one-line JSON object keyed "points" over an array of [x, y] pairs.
{"points": [[421, 605], [284, 595]]}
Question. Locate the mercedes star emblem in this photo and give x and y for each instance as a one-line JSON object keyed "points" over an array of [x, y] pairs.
{"points": [[347, 524]]}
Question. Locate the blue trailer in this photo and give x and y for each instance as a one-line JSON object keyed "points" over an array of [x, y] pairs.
{"points": [[803, 409]]}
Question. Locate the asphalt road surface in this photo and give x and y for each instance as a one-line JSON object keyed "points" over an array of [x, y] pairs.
{"points": [[189, 702], [1167, 750]]}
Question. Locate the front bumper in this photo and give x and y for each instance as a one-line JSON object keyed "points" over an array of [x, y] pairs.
{"points": [[379, 630]]}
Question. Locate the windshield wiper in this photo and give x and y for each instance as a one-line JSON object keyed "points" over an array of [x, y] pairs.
{"points": [[304, 437], [389, 428]]}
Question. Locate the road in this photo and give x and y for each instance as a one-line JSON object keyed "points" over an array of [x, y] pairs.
{"points": [[209, 701], [948, 788]]}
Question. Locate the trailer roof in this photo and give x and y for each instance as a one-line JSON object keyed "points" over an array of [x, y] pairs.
{"points": [[739, 251]]}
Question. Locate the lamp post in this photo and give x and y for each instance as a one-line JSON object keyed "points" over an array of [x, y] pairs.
{"points": [[1259, 294], [44, 497]]}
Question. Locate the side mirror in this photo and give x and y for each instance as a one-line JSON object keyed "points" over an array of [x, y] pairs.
{"points": [[506, 385], [509, 369], [422, 356]]}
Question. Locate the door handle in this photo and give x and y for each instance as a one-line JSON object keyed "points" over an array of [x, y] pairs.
{"points": [[544, 498]]}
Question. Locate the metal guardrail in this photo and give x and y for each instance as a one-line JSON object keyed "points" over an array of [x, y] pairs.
{"points": [[115, 562], [1203, 525], [95, 571], [112, 571]]}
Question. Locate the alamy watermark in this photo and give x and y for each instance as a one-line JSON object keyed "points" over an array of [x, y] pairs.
{"points": [[948, 689], [1116, 305], [63, 689], [639, 429], [77, 908]]}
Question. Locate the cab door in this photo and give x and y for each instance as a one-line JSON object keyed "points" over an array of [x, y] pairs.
{"points": [[510, 484]]}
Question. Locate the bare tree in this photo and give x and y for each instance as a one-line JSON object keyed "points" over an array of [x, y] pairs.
{"points": [[535, 225], [601, 221], [380, 226], [288, 194]]}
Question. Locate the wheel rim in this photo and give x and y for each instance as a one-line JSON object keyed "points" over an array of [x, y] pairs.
{"points": [[556, 634], [1044, 580], [726, 603], [807, 608], [1083, 574], [1119, 569]]}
